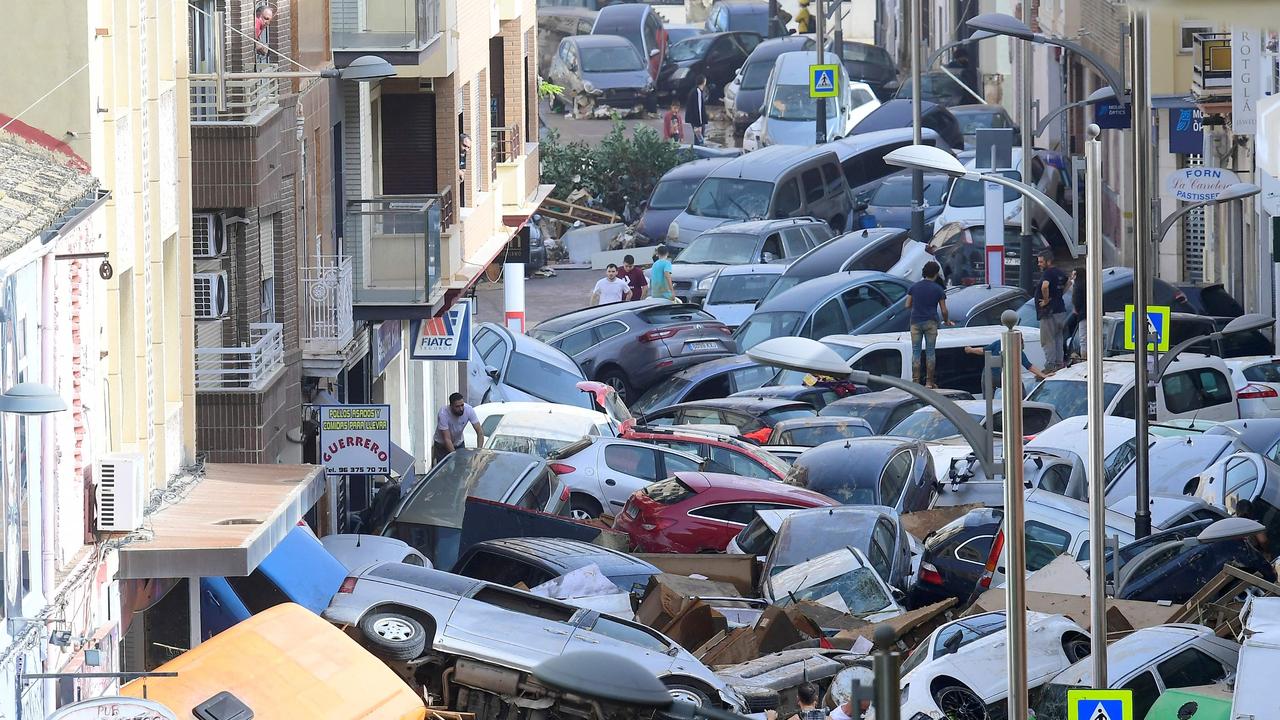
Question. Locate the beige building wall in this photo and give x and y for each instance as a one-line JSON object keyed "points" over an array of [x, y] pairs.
{"points": [[46, 52]]}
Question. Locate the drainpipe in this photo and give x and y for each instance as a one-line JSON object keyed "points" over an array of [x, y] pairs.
{"points": [[48, 446]]}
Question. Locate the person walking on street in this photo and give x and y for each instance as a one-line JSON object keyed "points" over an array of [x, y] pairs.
{"points": [[1051, 310], [634, 276], [660, 276], [695, 110], [925, 298], [610, 288], [807, 697], [672, 123], [450, 422]]}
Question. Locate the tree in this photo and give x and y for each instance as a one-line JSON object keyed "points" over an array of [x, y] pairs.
{"points": [[619, 169]]}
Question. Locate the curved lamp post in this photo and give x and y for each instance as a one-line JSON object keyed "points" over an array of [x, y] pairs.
{"points": [[1238, 191], [1002, 24], [30, 398], [975, 37], [1244, 323], [1102, 94], [932, 159]]}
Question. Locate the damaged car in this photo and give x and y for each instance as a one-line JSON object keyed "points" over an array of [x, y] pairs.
{"points": [[874, 530], [842, 579], [601, 71]]}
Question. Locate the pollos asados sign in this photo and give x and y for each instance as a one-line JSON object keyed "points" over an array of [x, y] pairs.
{"points": [[355, 439], [1199, 184]]}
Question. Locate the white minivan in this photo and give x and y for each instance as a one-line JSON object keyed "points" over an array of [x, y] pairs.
{"points": [[789, 116], [1193, 386]]}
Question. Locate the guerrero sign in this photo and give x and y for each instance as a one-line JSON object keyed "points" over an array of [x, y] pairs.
{"points": [[1199, 184], [355, 439], [446, 336]]}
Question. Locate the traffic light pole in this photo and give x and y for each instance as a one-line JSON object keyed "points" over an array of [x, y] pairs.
{"points": [[1144, 395]]}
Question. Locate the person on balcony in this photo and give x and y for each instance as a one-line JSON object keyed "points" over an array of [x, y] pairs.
{"points": [[262, 16]]}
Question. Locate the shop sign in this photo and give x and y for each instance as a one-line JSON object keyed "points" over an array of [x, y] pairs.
{"points": [[114, 708], [355, 439], [1199, 184], [446, 336]]}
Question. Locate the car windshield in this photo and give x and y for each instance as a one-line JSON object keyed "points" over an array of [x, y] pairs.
{"points": [[856, 52], [719, 249], [439, 498], [968, 193], [815, 436], [543, 380], [924, 425], [1052, 704], [619, 58], [859, 590], [673, 194], [762, 326], [732, 198], [792, 102], [756, 74], [1264, 372], [541, 447], [896, 192], [694, 47], [1069, 397], [970, 122], [738, 289]]}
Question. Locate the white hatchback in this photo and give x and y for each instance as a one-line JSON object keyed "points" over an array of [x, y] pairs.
{"points": [[1257, 381]]}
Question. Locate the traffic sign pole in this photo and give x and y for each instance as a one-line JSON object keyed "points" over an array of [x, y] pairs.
{"points": [[821, 124]]}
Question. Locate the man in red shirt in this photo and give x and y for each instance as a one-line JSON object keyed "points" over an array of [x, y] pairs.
{"points": [[262, 16], [634, 276]]}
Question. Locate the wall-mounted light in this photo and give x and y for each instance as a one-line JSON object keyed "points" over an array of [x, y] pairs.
{"points": [[105, 271]]}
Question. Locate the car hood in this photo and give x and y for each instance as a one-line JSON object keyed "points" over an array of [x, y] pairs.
{"points": [[691, 226], [617, 80], [732, 315], [654, 223], [749, 101]]}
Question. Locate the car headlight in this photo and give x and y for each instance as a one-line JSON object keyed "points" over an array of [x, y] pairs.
{"points": [[586, 85], [680, 73], [673, 231], [704, 285]]}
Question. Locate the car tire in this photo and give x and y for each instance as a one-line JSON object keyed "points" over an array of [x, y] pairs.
{"points": [[960, 703], [584, 507], [1076, 647], [393, 636], [688, 692], [614, 378]]}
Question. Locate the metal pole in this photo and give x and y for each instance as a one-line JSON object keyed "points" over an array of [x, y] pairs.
{"points": [[219, 61], [914, 11], [821, 124], [1142, 270], [1235, 220], [1015, 541], [838, 32], [1025, 71], [1097, 405], [884, 662]]}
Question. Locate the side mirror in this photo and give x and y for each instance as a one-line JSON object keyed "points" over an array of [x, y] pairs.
{"points": [[859, 206], [952, 643], [491, 371]]}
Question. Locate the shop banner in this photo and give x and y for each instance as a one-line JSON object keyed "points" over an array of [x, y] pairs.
{"points": [[355, 439], [446, 336]]}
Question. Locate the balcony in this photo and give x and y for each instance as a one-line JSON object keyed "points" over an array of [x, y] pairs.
{"points": [[396, 30], [1211, 65], [327, 323], [504, 146], [249, 368], [243, 99], [395, 250]]}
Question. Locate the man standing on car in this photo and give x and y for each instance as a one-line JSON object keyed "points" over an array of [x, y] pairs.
{"points": [[1051, 310], [450, 422], [695, 110], [634, 276], [924, 299]]}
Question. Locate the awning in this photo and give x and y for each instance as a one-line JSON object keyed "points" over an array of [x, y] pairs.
{"points": [[226, 524]]}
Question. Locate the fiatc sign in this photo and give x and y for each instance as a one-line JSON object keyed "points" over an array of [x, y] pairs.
{"points": [[446, 336], [355, 439], [1200, 184]]}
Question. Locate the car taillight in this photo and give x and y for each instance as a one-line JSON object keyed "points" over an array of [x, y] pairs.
{"points": [[993, 559], [562, 468], [929, 574], [1256, 392], [662, 334], [1028, 438], [564, 493], [347, 587]]}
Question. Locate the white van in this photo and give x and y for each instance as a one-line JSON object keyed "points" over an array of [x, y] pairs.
{"points": [[789, 116], [1193, 386]]}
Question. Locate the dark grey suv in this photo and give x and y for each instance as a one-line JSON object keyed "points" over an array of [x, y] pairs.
{"points": [[632, 345], [744, 243]]}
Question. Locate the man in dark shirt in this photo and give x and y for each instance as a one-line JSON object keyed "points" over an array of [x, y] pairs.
{"points": [[695, 110], [634, 276], [924, 299], [1051, 310]]}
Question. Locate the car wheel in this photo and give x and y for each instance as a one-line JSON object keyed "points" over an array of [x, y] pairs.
{"points": [[615, 379], [1076, 648], [960, 703], [688, 693], [393, 636], [584, 507]]}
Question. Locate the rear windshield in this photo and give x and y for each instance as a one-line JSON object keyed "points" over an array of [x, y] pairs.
{"points": [[1068, 396], [1266, 372], [668, 492], [969, 193], [544, 380], [755, 538], [756, 74], [737, 289], [441, 496], [677, 312], [790, 413]]}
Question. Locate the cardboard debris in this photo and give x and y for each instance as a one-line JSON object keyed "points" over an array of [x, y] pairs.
{"points": [[818, 616], [740, 571], [774, 631], [434, 713], [1123, 616], [1215, 604], [1062, 575], [695, 625], [668, 594], [906, 626], [922, 522]]}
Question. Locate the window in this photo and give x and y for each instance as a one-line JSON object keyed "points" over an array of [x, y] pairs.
{"points": [[524, 604], [828, 320], [881, 362], [1124, 408], [503, 570], [1187, 34], [628, 633], [631, 460], [714, 387], [1044, 543], [892, 291], [1240, 482], [486, 342], [750, 378], [673, 463], [700, 416], [1190, 668], [894, 478], [812, 185], [834, 179], [1263, 372], [739, 464], [738, 513], [881, 255], [975, 549], [1037, 169], [610, 329], [882, 549], [1214, 387], [794, 242], [577, 342], [788, 202], [772, 249], [257, 591], [862, 303], [901, 412], [1195, 389], [819, 233], [1145, 693]]}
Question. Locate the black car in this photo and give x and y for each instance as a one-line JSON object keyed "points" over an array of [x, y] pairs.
{"points": [[814, 431], [937, 87], [715, 56], [884, 408], [671, 195], [979, 305], [954, 557], [896, 472], [533, 561], [872, 65], [840, 253], [1174, 571], [1138, 547], [744, 16], [817, 396], [704, 381], [752, 77], [754, 417], [961, 249], [853, 303], [1117, 291], [897, 114], [1211, 299], [874, 530]]}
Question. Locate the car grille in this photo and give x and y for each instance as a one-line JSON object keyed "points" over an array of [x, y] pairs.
{"points": [[621, 98], [682, 286]]}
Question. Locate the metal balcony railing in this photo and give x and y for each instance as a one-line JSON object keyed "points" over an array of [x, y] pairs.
{"points": [[395, 249], [1210, 64], [327, 323], [242, 369], [243, 97], [383, 24], [447, 211], [504, 146]]}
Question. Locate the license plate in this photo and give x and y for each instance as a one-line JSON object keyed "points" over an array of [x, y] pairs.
{"points": [[703, 346], [632, 512], [1012, 260]]}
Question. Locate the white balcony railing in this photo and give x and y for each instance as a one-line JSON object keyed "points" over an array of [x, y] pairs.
{"points": [[242, 97], [327, 324], [242, 369]]}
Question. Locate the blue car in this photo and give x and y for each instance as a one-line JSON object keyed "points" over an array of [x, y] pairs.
{"points": [[853, 302], [706, 381]]}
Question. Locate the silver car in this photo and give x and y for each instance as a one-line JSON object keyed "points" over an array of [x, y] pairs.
{"points": [[488, 637], [602, 472]]}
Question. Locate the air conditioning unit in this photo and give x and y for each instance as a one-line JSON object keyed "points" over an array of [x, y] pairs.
{"points": [[427, 85], [212, 300], [209, 235], [121, 493]]}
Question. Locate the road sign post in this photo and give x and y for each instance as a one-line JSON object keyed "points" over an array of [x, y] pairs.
{"points": [[1100, 705], [1157, 328], [822, 80]]}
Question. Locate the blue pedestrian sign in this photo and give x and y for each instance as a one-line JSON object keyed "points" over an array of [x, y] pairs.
{"points": [[1157, 328], [1099, 705], [822, 80]]}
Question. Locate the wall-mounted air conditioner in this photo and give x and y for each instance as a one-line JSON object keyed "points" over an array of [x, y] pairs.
{"points": [[212, 298], [209, 235], [121, 492]]}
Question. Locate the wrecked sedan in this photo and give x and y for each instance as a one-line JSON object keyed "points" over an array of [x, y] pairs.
{"points": [[897, 472], [872, 529], [599, 71], [842, 579], [959, 670], [473, 644]]}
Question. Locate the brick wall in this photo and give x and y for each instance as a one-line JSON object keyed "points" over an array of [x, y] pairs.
{"points": [[447, 135], [513, 53], [481, 139], [236, 164], [531, 52], [250, 427]]}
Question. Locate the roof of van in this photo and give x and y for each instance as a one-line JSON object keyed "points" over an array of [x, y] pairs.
{"points": [[695, 168], [794, 66], [773, 47], [948, 337], [768, 163]]}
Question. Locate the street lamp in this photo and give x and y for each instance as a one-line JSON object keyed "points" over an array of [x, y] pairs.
{"points": [[1238, 191], [30, 398], [1001, 24], [975, 37], [933, 159], [1244, 323], [1102, 94]]}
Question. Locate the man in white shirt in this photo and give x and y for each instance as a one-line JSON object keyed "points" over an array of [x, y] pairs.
{"points": [[611, 288], [450, 422]]}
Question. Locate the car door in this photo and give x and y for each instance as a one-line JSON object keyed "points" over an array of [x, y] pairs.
{"points": [[865, 307], [894, 478], [828, 319], [1189, 667], [491, 350], [511, 625], [718, 64], [624, 468]]}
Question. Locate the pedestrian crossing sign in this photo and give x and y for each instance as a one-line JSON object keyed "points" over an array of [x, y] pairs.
{"points": [[822, 80], [1157, 328], [1099, 705]]}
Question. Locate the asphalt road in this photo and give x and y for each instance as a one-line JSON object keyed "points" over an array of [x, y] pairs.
{"points": [[543, 297]]}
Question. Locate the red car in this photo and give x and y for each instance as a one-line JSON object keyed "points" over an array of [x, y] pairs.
{"points": [[721, 453], [694, 512]]}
